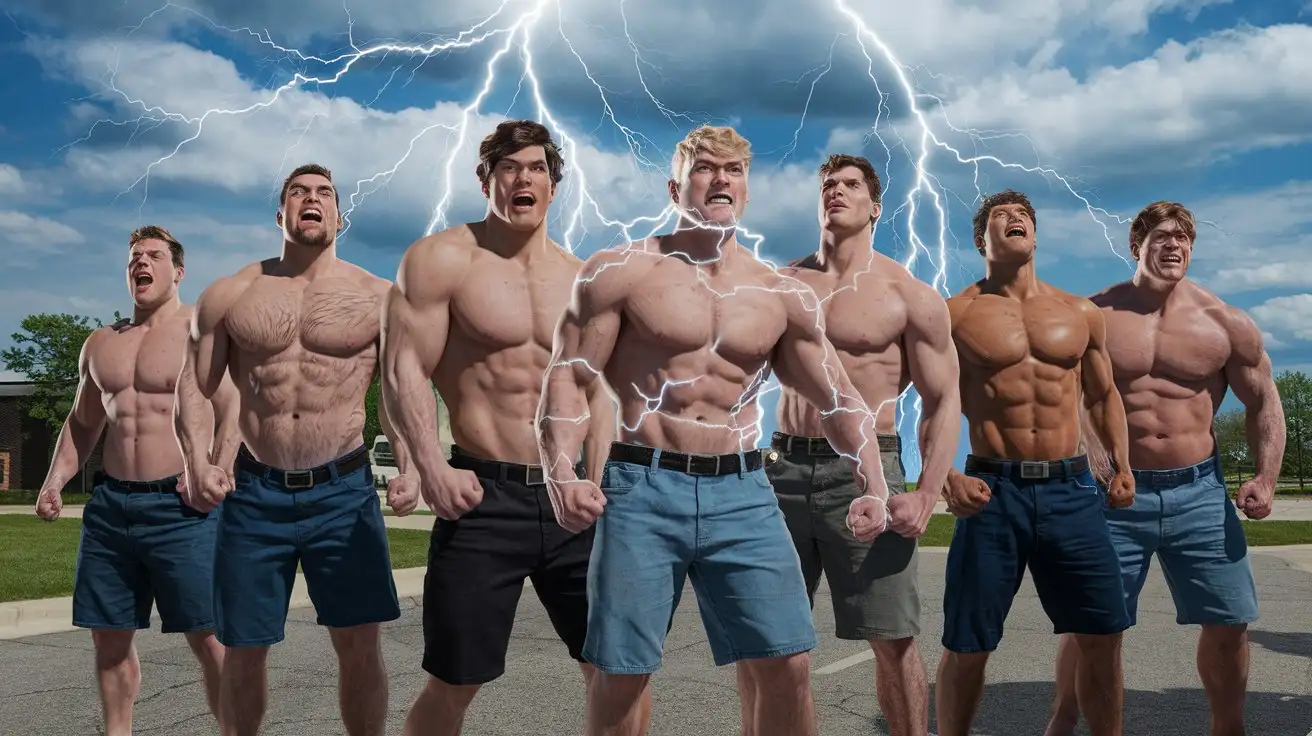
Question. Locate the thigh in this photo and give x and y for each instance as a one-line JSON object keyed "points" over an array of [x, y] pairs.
{"points": [[792, 484], [255, 560], [176, 542], [1076, 570], [111, 587], [344, 553], [561, 581], [746, 574], [985, 567], [1205, 559], [639, 562], [1135, 533]]}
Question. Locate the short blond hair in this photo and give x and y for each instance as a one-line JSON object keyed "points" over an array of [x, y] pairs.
{"points": [[720, 140]]}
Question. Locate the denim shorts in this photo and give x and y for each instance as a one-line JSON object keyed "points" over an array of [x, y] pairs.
{"points": [[724, 533]]}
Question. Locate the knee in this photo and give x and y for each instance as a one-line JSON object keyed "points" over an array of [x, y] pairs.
{"points": [[238, 662], [1098, 646], [617, 689], [785, 674], [893, 650], [357, 644], [112, 646], [1222, 635], [451, 698]]}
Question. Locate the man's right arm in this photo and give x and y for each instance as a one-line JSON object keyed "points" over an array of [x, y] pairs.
{"points": [[81, 430], [416, 321], [936, 374], [205, 363]]}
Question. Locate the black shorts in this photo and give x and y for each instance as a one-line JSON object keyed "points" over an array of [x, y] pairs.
{"points": [[476, 570]]}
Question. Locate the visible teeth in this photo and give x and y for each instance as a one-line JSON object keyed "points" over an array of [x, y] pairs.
{"points": [[721, 198]]}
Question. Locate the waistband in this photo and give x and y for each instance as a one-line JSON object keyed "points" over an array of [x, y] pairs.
{"points": [[300, 480], [1063, 469], [691, 464], [1163, 479], [163, 485], [820, 447], [502, 471]]}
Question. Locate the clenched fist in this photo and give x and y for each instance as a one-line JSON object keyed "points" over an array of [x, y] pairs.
{"points": [[451, 493], [577, 503], [402, 495], [966, 495], [49, 503], [867, 517], [1255, 498], [1120, 492], [206, 488], [908, 513]]}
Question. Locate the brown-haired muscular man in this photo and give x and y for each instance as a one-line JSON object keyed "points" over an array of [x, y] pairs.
{"points": [[1175, 349], [1031, 356]]}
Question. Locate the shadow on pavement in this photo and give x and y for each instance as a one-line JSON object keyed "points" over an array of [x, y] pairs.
{"points": [[1022, 709], [1282, 642]]}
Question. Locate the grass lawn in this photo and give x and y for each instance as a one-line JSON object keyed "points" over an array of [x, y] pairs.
{"points": [[37, 559], [28, 498]]}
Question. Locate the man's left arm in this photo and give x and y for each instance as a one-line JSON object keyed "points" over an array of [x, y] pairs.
{"points": [[601, 430], [1248, 371], [399, 450], [226, 403], [936, 374], [1102, 402]]}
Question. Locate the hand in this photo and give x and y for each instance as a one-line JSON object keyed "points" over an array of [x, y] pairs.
{"points": [[451, 493], [867, 517], [1120, 492], [908, 513], [402, 495], [577, 503], [1255, 498], [206, 488], [49, 503], [965, 495]]}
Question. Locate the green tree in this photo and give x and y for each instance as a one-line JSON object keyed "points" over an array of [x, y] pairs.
{"points": [[1296, 398], [46, 352], [1231, 441]]}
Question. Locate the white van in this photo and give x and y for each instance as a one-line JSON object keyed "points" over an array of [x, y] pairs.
{"points": [[383, 461]]}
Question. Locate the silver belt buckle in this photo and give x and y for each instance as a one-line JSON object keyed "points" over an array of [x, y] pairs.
{"points": [[687, 465], [290, 479], [534, 475], [1031, 469]]}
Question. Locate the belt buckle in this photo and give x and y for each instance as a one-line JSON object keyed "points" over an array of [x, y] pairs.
{"points": [[817, 446], [534, 475], [290, 479], [687, 465], [1033, 469]]}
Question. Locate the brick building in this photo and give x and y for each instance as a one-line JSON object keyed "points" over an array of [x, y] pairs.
{"points": [[26, 444]]}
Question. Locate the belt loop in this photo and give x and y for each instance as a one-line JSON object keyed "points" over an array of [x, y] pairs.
{"points": [[742, 464], [332, 472], [655, 463]]}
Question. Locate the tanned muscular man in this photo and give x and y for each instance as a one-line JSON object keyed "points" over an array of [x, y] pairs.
{"points": [[1030, 356], [299, 334], [684, 329], [141, 543], [1175, 349]]}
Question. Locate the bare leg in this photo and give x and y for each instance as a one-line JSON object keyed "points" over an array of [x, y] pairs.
{"points": [[1223, 667], [902, 686], [1098, 683], [244, 693], [746, 699], [209, 653], [784, 704], [361, 679], [118, 671], [1065, 706], [616, 705], [958, 690], [440, 709]]}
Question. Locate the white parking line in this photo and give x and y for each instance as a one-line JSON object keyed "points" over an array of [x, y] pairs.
{"points": [[846, 662]]}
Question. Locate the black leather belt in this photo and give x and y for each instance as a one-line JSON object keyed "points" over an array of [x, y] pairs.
{"points": [[497, 470], [164, 485], [1028, 469], [1174, 478], [820, 447], [686, 462], [299, 480]]}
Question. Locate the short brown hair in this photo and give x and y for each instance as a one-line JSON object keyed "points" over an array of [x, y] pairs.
{"points": [[307, 169], [1006, 196], [839, 161], [155, 232], [512, 136], [1155, 214]]}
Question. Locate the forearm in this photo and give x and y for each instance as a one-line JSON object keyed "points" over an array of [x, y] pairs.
{"points": [[72, 449], [564, 424], [850, 429], [938, 434], [1107, 418], [408, 402], [1264, 427], [399, 449], [600, 432], [193, 421], [227, 432]]}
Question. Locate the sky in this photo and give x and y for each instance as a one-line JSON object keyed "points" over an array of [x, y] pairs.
{"points": [[189, 115]]}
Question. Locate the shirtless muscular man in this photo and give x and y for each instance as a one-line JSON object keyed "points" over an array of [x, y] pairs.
{"points": [[473, 312], [141, 543], [889, 330], [299, 335], [685, 328], [1175, 348], [1030, 355]]}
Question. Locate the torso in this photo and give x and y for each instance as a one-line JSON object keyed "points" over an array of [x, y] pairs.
{"points": [[1020, 372], [503, 319], [303, 354], [136, 369], [865, 318], [693, 352], [1169, 368]]}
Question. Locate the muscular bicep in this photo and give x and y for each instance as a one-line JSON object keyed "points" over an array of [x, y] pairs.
{"points": [[589, 329], [1248, 370], [416, 314], [804, 360], [1096, 377], [931, 354], [88, 411], [208, 342]]}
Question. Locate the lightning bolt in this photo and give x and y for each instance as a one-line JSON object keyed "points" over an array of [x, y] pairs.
{"points": [[925, 192]]}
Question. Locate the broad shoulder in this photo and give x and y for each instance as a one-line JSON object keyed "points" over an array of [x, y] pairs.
{"points": [[438, 262], [219, 296], [1114, 296], [620, 267], [367, 281]]}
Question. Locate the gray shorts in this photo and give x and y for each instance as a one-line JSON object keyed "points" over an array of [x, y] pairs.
{"points": [[875, 584]]}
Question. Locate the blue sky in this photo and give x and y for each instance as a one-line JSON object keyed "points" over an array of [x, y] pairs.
{"points": [[1094, 109]]}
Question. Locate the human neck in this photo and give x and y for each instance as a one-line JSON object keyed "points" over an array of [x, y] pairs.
{"points": [[1153, 290], [1015, 280], [515, 244], [152, 315], [702, 244], [841, 252], [306, 260]]}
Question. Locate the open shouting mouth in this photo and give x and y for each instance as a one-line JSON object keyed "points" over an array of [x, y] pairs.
{"points": [[1016, 231], [312, 214]]}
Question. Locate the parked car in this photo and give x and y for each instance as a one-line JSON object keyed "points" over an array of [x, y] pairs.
{"points": [[383, 461]]}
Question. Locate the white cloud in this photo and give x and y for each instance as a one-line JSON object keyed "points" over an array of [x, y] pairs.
{"points": [[1286, 316], [11, 181], [35, 233]]}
